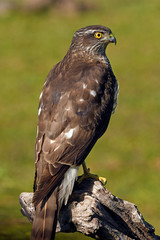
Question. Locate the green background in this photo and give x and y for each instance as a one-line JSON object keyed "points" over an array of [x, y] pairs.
{"points": [[128, 155]]}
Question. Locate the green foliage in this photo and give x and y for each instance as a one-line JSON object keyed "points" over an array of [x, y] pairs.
{"points": [[128, 154]]}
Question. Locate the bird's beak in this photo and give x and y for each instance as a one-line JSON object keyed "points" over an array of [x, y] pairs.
{"points": [[109, 38], [112, 39]]}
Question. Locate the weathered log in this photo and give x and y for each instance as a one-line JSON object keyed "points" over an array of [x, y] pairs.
{"points": [[97, 213]]}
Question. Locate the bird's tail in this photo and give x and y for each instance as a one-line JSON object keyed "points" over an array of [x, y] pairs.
{"points": [[45, 220]]}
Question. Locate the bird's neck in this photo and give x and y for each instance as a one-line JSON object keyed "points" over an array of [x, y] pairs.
{"points": [[87, 56]]}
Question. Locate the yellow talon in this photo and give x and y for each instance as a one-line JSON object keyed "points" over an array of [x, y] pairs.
{"points": [[87, 174], [103, 180]]}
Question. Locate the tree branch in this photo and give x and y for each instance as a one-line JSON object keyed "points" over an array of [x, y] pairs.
{"points": [[95, 212]]}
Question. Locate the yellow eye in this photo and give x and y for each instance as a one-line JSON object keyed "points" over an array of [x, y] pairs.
{"points": [[98, 35]]}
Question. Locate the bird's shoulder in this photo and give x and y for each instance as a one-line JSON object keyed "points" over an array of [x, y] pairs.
{"points": [[79, 74]]}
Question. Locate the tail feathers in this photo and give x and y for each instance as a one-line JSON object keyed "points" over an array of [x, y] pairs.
{"points": [[47, 183], [45, 220]]}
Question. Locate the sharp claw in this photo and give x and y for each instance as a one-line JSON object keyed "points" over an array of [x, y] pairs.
{"points": [[94, 176], [103, 180], [87, 174]]}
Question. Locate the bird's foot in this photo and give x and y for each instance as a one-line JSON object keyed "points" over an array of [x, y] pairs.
{"points": [[87, 174], [103, 180]]}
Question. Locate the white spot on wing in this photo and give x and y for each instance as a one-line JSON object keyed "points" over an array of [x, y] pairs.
{"points": [[69, 134], [40, 95], [37, 130], [93, 93], [39, 111], [84, 85], [52, 141], [96, 81], [56, 148], [67, 108], [81, 99]]}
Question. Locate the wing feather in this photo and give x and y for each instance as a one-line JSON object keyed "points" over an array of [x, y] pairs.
{"points": [[69, 117]]}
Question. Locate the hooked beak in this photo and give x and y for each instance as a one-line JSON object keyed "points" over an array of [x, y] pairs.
{"points": [[112, 39], [109, 38]]}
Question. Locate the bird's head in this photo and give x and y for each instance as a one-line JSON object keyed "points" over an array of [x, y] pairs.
{"points": [[93, 39]]}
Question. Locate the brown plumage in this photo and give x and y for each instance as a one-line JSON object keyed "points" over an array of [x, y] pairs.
{"points": [[75, 106]]}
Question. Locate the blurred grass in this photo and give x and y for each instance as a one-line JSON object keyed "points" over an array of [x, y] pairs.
{"points": [[128, 154]]}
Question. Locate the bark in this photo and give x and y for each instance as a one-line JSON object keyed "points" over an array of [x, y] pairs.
{"points": [[97, 213]]}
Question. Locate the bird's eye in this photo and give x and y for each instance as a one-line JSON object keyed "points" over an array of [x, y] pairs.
{"points": [[98, 35]]}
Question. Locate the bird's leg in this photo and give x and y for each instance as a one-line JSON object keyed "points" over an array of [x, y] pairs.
{"points": [[87, 174]]}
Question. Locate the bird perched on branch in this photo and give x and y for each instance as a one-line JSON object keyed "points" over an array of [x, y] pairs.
{"points": [[75, 106]]}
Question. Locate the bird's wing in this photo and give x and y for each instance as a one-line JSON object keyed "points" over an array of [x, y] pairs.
{"points": [[66, 127]]}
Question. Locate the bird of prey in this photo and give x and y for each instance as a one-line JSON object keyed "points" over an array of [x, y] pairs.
{"points": [[75, 106]]}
